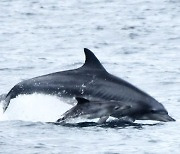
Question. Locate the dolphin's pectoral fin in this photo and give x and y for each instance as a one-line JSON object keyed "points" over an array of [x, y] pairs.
{"points": [[102, 119]]}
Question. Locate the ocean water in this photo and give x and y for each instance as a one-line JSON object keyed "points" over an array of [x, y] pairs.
{"points": [[136, 40]]}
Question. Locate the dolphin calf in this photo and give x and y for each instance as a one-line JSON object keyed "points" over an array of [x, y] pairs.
{"points": [[94, 109], [93, 82]]}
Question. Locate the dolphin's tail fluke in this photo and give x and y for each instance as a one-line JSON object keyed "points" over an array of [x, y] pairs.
{"points": [[4, 99]]}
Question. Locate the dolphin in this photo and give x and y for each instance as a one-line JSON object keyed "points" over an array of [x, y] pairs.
{"points": [[94, 109], [93, 82]]}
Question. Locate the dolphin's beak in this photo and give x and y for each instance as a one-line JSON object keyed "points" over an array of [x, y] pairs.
{"points": [[162, 117]]}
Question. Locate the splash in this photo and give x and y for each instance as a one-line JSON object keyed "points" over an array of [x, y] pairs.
{"points": [[35, 107]]}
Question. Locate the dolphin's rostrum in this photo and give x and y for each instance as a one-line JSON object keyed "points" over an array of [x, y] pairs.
{"points": [[91, 81]]}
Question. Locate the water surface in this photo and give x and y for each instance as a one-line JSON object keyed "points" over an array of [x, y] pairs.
{"points": [[136, 40]]}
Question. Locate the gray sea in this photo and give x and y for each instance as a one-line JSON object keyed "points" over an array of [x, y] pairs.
{"points": [[137, 40]]}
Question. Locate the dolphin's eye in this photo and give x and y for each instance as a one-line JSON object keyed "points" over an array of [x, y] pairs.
{"points": [[153, 111]]}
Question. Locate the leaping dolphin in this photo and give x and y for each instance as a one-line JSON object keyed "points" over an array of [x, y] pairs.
{"points": [[93, 82]]}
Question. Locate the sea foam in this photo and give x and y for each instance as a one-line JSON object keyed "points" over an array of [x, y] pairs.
{"points": [[35, 107]]}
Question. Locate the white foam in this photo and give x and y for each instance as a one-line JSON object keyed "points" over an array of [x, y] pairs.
{"points": [[35, 107]]}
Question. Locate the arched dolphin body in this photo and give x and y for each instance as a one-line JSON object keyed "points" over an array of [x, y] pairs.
{"points": [[93, 82]]}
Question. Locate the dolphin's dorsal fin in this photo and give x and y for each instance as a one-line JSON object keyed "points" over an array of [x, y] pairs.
{"points": [[81, 100], [92, 61]]}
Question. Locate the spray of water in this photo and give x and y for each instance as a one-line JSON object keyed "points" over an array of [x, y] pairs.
{"points": [[35, 107]]}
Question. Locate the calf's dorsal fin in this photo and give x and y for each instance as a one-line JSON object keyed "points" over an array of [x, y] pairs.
{"points": [[82, 100], [92, 61]]}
